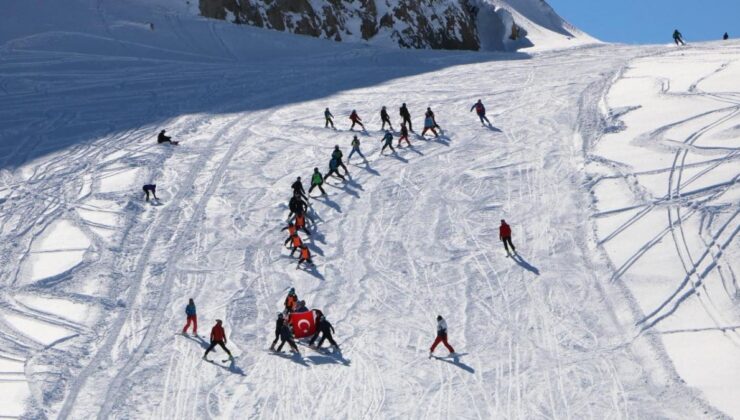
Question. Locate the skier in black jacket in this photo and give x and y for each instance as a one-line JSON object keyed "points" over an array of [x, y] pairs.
{"points": [[286, 336], [405, 116], [326, 329], [338, 155], [385, 118], [297, 206], [278, 327], [298, 189], [162, 138]]}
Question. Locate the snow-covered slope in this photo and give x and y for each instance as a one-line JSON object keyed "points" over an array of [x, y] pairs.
{"points": [[94, 280]]}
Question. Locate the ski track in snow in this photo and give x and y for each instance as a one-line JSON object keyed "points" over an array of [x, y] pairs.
{"points": [[411, 235]]}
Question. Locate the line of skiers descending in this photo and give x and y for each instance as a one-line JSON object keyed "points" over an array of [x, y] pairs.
{"points": [[298, 206], [430, 122]]}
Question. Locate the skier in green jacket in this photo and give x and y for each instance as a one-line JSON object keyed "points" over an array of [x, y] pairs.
{"points": [[316, 181]]}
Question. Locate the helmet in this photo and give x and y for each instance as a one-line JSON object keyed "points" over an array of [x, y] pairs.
{"points": [[292, 290], [218, 321], [280, 315], [404, 104], [336, 146], [315, 169], [439, 317]]}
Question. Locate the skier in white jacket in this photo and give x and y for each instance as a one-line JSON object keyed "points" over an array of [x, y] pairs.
{"points": [[441, 336]]}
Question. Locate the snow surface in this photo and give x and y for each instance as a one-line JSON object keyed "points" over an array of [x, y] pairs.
{"points": [[569, 329]]}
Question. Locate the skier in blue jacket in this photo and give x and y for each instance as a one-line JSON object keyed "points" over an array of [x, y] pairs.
{"points": [[333, 166], [388, 139], [192, 318]]}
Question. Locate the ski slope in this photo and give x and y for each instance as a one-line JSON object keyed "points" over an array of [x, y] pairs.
{"points": [[95, 280]]}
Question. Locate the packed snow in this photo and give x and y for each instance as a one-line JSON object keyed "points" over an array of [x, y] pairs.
{"points": [[616, 167]]}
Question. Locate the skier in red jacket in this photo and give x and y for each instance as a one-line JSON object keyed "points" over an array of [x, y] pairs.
{"points": [[355, 120], [504, 233], [218, 337]]}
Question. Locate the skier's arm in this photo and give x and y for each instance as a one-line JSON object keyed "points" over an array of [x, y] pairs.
{"points": [[472, 108]]}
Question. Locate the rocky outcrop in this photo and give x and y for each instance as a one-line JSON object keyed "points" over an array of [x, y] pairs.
{"points": [[436, 24]]}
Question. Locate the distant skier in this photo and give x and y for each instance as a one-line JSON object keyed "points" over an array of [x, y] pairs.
{"points": [[404, 135], [218, 337], [328, 119], [305, 257], [296, 205], [356, 148], [286, 336], [326, 330], [405, 116], [429, 125], [301, 307], [441, 336], [191, 318], [388, 139], [504, 233], [726, 36], [385, 118], [317, 180], [150, 188], [278, 327], [162, 138], [296, 243], [481, 111], [300, 223], [333, 169], [355, 120], [338, 155], [290, 300], [430, 114], [298, 189], [678, 38]]}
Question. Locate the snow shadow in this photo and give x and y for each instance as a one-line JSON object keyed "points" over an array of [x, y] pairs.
{"points": [[494, 129], [329, 358], [293, 357], [329, 203], [524, 264], [368, 168], [54, 98], [455, 361]]}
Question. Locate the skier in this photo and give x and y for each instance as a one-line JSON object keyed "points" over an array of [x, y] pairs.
{"points": [[385, 118], [726, 36], [328, 119], [430, 113], [161, 138], [292, 230], [405, 116], [326, 329], [300, 223], [301, 307], [296, 242], [218, 337], [504, 233], [333, 169], [278, 327], [388, 139], [298, 189], [678, 38], [356, 148], [481, 111], [429, 125], [355, 120], [290, 300], [316, 181], [305, 257], [296, 205], [286, 335], [150, 188], [441, 336], [404, 135], [192, 318], [337, 154]]}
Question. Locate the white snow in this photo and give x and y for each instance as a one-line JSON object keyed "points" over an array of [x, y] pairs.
{"points": [[567, 330]]}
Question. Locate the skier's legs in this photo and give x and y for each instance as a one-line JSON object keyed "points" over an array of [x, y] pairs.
{"points": [[187, 324], [449, 347], [360, 153], [211, 347], [383, 148], [321, 340], [223, 346], [322, 189], [343, 167], [434, 132], [280, 347], [286, 241], [434, 345], [303, 228], [328, 336], [508, 240], [313, 338], [424, 130], [293, 345], [353, 125], [351, 153]]}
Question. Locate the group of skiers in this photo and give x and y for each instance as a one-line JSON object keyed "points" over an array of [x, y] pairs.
{"points": [[298, 206], [218, 334], [284, 327]]}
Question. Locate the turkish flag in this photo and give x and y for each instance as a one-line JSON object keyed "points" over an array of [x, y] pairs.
{"points": [[303, 323]]}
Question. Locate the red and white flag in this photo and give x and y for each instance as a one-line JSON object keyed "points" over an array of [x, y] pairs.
{"points": [[303, 323]]}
